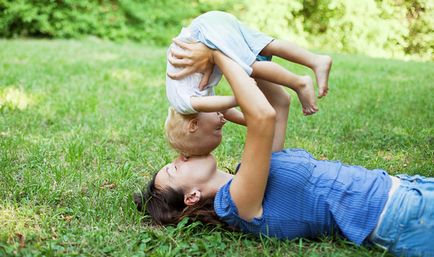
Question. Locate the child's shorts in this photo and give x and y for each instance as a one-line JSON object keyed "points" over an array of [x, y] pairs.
{"points": [[222, 31]]}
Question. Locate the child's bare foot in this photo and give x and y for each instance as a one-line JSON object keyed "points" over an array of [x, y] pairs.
{"points": [[322, 70], [306, 95]]}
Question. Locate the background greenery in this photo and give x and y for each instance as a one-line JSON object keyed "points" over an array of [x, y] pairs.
{"points": [[381, 28], [81, 121], [81, 130]]}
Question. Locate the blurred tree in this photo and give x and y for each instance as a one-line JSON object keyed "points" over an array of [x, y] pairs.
{"points": [[385, 28]]}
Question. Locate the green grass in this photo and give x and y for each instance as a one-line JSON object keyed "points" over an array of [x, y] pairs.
{"points": [[88, 134]]}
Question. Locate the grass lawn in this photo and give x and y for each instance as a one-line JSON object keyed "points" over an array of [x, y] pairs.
{"points": [[81, 130]]}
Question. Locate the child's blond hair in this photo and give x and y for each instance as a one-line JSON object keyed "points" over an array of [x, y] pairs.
{"points": [[176, 129]]}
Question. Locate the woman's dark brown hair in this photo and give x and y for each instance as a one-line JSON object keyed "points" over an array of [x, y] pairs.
{"points": [[167, 207]]}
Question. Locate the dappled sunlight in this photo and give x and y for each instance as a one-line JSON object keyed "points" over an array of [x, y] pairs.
{"points": [[112, 134], [400, 157], [400, 131], [309, 144], [104, 57], [125, 75], [12, 98], [17, 61], [91, 134], [155, 82], [18, 223], [134, 76], [5, 134], [398, 78]]}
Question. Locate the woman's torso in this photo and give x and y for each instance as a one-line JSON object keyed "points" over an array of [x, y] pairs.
{"points": [[306, 197]]}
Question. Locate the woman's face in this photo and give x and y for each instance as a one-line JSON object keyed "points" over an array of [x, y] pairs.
{"points": [[186, 174]]}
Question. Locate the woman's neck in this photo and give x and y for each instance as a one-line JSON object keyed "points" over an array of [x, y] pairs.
{"points": [[220, 179]]}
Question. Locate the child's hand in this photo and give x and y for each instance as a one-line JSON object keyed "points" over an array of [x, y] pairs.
{"points": [[196, 57]]}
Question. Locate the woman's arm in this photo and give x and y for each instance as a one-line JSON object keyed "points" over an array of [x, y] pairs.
{"points": [[248, 186], [198, 58]]}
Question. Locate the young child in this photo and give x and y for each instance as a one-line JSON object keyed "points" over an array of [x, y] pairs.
{"points": [[222, 31], [194, 134]]}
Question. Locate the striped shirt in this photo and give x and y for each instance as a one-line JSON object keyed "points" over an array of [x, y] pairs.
{"points": [[309, 198]]}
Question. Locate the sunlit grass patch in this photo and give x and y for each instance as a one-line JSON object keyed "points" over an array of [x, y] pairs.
{"points": [[17, 223], [17, 61], [91, 135], [156, 82], [398, 158], [4, 134], [12, 98], [125, 75], [104, 56]]}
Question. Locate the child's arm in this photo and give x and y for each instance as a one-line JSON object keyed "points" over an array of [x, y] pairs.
{"points": [[234, 116], [213, 103], [223, 104]]}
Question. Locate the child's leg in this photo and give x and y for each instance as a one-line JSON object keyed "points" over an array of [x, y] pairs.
{"points": [[320, 64], [303, 85], [280, 100]]}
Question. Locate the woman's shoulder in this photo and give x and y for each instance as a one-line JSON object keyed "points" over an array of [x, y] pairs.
{"points": [[285, 156], [227, 211], [291, 153], [223, 203]]}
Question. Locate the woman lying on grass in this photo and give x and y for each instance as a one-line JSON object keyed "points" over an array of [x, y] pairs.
{"points": [[288, 193]]}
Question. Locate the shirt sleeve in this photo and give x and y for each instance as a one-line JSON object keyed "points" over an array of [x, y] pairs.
{"points": [[224, 206], [227, 211]]}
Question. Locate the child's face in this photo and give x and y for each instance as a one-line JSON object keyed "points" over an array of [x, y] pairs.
{"points": [[209, 129]]}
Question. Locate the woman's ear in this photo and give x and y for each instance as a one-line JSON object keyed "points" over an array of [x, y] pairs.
{"points": [[192, 198], [193, 125]]}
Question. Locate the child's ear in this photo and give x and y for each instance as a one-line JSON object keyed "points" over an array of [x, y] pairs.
{"points": [[192, 125]]}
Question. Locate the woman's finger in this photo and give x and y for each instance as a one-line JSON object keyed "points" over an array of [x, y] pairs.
{"points": [[181, 44], [176, 62], [205, 79], [179, 75], [178, 53]]}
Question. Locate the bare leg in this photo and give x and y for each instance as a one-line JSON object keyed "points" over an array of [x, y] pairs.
{"points": [[280, 100], [302, 85], [320, 64]]}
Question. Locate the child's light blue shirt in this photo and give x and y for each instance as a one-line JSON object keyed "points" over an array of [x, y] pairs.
{"points": [[221, 31]]}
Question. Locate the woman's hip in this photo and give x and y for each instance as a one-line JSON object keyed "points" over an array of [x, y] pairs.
{"points": [[407, 227]]}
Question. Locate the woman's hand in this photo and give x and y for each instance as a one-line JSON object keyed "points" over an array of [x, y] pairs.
{"points": [[195, 57]]}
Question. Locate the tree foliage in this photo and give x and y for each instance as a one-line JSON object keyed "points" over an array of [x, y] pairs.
{"points": [[386, 28]]}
